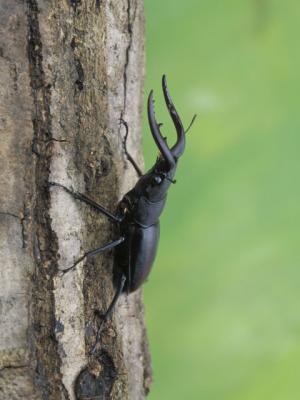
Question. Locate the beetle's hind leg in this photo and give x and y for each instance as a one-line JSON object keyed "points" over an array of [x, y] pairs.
{"points": [[129, 157], [81, 197], [109, 311]]}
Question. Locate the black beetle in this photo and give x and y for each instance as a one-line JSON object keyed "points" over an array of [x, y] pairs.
{"points": [[139, 210]]}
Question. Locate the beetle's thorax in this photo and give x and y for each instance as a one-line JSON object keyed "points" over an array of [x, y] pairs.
{"points": [[145, 202]]}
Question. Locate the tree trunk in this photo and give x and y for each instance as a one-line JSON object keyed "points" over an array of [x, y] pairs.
{"points": [[69, 70]]}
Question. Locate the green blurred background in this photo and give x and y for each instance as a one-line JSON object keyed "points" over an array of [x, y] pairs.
{"points": [[223, 300]]}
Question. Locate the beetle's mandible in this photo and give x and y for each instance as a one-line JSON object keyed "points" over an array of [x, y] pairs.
{"points": [[137, 214]]}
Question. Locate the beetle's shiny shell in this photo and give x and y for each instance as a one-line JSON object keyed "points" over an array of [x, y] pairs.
{"points": [[135, 256]]}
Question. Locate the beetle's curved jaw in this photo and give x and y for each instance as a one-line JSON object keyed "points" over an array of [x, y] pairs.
{"points": [[159, 140], [179, 146], [170, 155]]}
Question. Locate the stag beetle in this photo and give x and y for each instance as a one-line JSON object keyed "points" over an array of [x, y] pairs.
{"points": [[137, 214]]}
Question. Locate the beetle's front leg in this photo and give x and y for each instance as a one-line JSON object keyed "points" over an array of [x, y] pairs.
{"points": [[129, 157]]}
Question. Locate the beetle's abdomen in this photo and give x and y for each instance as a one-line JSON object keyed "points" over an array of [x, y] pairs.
{"points": [[137, 253]]}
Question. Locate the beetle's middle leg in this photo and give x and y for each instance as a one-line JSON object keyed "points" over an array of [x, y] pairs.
{"points": [[81, 197], [92, 253]]}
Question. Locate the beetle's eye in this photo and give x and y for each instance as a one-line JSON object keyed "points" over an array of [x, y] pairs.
{"points": [[157, 179]]}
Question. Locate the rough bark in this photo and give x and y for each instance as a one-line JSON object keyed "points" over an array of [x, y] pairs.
{"points": [[69, 70]]}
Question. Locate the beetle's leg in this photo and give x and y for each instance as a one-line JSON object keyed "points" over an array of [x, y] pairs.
{"points": [[108, 313], [108, 246], [81, 197], [92, 253], [129, 157]]}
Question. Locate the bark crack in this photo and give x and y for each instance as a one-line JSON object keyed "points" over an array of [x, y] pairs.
{"points": [[22, 220], [48, 376], [128, 49], [4, 367], [9, 214]]}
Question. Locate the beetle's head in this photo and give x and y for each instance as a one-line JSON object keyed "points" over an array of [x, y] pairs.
{"points": [[155, 183]]}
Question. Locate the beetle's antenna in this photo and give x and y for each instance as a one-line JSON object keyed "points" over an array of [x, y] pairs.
{"points": [[129, 157], [167, 178], [191, 123], [171, 180]]}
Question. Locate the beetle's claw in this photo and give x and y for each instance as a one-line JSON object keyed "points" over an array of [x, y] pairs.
{"points": [[178, 148], [170, 155], [154, 126]]}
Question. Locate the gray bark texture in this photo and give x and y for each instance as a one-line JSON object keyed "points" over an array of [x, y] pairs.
{"points": [[69, 70]]}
